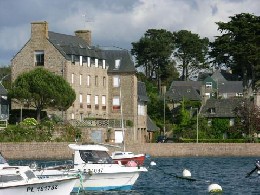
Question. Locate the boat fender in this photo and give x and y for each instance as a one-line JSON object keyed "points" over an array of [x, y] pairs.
{"points": [[214, 188], [152, 163]]}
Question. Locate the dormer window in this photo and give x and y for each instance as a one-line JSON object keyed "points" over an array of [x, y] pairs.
{"points": [[212, 110], [73, 59], [208, 84], [117, 64], [39, 58]]}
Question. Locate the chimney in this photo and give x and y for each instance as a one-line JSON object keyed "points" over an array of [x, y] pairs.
{"points": [[85, 35], [39, 30]]}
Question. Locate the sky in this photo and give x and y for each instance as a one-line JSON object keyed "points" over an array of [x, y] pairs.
{"points": [[113, 22]]}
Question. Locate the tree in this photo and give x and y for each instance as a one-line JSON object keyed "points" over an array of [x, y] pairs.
{"points": [[249, 115], [42, 89], [153, 52], [239, 47], [191, 51]]}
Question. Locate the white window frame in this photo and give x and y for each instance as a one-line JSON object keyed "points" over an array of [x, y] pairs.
{"points": [[88, 61], [104, 64], [116, 101], [208, 84], [80, 61], [96, 99], [72, 116], [117, 63], [72, 78], [116, 81], [80, 98], [80, 79], [88, 99], [88, 80], [141, 109], [103, 100], [96, 63]]}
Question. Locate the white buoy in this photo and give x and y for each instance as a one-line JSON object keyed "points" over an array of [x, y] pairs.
{"points": [[152, 163], [214, 188], [186, 173]]}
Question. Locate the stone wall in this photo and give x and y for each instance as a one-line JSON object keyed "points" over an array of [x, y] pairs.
{"points": [[50, 150]]}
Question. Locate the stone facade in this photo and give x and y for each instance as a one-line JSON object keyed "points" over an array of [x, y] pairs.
{"points": [[88, 77]]}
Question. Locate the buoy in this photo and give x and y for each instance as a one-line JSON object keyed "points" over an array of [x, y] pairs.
{"points": [[152, 163], [214, 188], [186, 173]]}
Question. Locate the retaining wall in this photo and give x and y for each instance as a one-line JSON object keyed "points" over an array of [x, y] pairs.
{"points": [[51, 150]]}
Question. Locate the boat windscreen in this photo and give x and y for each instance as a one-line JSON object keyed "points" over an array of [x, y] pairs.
{"points": [[92, 156]]}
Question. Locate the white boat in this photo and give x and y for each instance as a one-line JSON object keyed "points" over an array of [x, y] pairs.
{"points": [[98, 170], [20, 180]]}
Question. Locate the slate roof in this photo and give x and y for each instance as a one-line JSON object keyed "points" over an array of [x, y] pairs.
{"points": [[73, 45], [178, 93], [223, 76], [230, 87], [126, 62], [141, 91], [151, 126], [223, 108]]}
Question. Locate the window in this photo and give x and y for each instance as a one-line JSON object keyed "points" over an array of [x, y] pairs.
{"points": [[104, 81], [72, 78], [80, 77], [141, 108], [104, 64], [88, 101], [39, 58], [116, 81], [208, 84], [96, 63], [117, 64], [96, 99], [103, 102], [88, 80], [96, 102], [116, 103], [73, 59], [212, 110], [72, 116], [80, 98], [96, 80], [88, 61], [80, 61]]}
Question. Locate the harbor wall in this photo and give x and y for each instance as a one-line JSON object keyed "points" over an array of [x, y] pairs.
{"points": [[60, 150]]}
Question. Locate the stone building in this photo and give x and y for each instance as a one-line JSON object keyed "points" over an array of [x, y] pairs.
{"points": [[104, 80]]}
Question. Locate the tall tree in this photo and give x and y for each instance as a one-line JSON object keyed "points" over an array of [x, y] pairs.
{"points": [[191, 51], [239, 47], [42, 89], [153, 52]]}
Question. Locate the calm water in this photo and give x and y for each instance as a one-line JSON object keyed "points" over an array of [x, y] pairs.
{"points": [[228, 172]]}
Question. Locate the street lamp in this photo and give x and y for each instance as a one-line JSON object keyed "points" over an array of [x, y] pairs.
{"points": [[197, 125]]}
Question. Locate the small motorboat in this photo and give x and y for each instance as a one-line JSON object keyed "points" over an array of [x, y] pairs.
{"points": [[99, 172], [21, 180], [126, 157]]}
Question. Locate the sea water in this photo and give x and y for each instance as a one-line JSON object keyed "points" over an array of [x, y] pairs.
{"points": [[228, 172]]}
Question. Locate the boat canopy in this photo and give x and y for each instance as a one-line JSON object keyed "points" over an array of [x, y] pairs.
{"points": [[87, 147]]}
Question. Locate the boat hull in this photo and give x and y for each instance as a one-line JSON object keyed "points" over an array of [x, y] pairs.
{"points": [[99, 177], [43, 187]]}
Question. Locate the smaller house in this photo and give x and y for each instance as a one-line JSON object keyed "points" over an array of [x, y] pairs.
{"points": [[221, 108]]}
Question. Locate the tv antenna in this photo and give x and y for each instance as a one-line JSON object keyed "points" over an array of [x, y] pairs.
{"points": [[86, 20]]}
